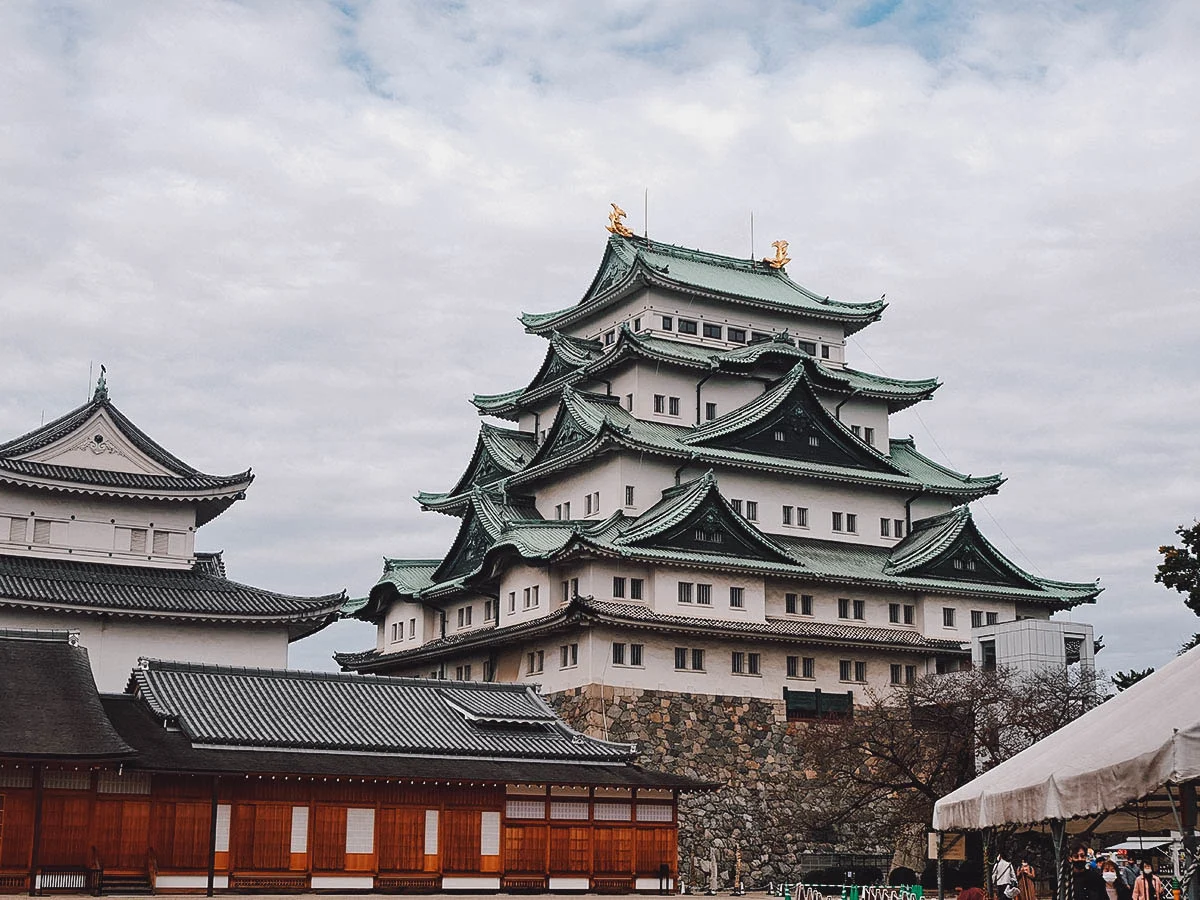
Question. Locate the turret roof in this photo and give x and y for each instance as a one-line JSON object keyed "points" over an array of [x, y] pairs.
{"points": [[633, 262], [899, 393], [29, 461], [693, 525], [201, 593]]}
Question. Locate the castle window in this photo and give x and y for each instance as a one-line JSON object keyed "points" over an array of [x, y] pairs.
{"points": [[710, 411], [635, 588], [685, 591], [567, 510], [698, 660], [637, 324], [608, 337], [488, 673], [897, 674], [712, 331], [856, 430], [787, 515], [462, 673], [512, 601], [737, 506], [808, 667], [709, 537], [488, 609], [704, 594], [845, 669], [395, 631], [806, 604], [910, 674], [910, 613], [808, 347], [860, 671], [687, 326], [814, 441], [837, 522], [754, 663], [739, 662], [852, 523], [558, 511], [629, 402], [894, 613], [885, 527], [736, 335], [802, 516], [464, 617], [843, 608], [162, 543], [618, 586], [793, 667], [898, 527], [412, 628], [737, 597], [752, 510], [535, 662], [587, 504], [568, 656], [860, 609], [992, 618], [635, 654], [977, 618], [16, 530], [629, 495], [789, 604], [869, 436], [672, 406], [948, 616], [824, 351], [958, 563], [681, 657], [667, 323], [41, 532], [780, 436], [660, 403], [757, 337], [566, 592]]}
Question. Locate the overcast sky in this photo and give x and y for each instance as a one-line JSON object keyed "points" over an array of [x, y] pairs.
{"points": [[299, 236]]}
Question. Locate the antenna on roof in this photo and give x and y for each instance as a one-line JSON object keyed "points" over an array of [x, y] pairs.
{"points": [[646, 215]]}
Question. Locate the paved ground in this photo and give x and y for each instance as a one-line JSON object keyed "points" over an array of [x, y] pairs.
{"points": [[750, 895]]}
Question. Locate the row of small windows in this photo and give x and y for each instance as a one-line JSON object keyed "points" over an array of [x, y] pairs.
{"points": [[864, 433], [701, 594], [729, 333], [126, 539], [530, 598], [664, 405], [398, 630], [979, 617]]}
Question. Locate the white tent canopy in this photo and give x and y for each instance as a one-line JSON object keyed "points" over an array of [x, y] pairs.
{"points": [[1145, 737]]}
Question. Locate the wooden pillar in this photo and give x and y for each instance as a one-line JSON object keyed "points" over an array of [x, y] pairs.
{"points": [[1187, 814], [34, 860], [212, 837], [941, 841]]}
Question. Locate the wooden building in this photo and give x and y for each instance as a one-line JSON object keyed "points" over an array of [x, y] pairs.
{"points": [[206, 778]]}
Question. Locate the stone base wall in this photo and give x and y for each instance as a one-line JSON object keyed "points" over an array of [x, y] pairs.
{"points": [[742, 743]]}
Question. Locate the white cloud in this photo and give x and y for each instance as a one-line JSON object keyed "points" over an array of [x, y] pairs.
{"points": [[299, 238]]}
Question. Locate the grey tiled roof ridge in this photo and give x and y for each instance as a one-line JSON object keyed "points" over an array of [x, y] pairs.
{"points": [[68, 422], [79, 479]]}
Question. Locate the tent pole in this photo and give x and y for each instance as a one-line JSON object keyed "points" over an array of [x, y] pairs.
{"points": [[1187, 800], [1058, 836], [941, 836]]}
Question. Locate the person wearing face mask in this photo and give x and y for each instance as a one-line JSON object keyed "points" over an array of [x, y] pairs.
{"points": [[1087, 883], [1025, 880], [1114, 887], [1148, 886]]}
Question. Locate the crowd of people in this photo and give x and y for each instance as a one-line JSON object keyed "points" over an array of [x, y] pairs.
{"points": [[1092, 878]]}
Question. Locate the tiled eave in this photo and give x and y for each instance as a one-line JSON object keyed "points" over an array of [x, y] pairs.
{"points": [[641, 275], [609, 437], [581, 611]]}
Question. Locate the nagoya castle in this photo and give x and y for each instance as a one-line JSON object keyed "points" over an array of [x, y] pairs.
{"points": [[694, 525]]}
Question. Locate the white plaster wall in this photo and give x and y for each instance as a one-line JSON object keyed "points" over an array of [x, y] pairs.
{"points": [[666, 594], [651, 304], [515, 581], [865, 413], [85, 527], [428, 626], [539, 420], [573, 485], [114, 645]]}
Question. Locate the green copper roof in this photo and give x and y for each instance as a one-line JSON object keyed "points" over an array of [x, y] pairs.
{"points": [[898, 393], [588, 423], [499, 452], [634, 262], [693, 525]]}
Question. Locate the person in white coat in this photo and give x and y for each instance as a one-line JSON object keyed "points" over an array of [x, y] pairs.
{"points": [[1002, 876]]}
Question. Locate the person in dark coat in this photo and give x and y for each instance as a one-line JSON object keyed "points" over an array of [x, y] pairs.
{"points": [[1086, 881]]}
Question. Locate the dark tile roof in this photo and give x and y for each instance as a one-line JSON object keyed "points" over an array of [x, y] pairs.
{"points": [[199, 592], [159, 749], [279, 709], [49, 707], [135, 480]]}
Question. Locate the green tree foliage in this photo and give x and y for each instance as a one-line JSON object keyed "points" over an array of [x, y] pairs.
{"points": [[1180, 568], [1193, 641], [1123, 680]]}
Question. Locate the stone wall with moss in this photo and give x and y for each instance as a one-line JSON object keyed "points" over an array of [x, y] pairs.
{"points": [[744, 744]]}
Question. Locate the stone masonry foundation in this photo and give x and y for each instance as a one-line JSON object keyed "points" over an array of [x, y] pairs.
{"points": [[744, 744]]}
